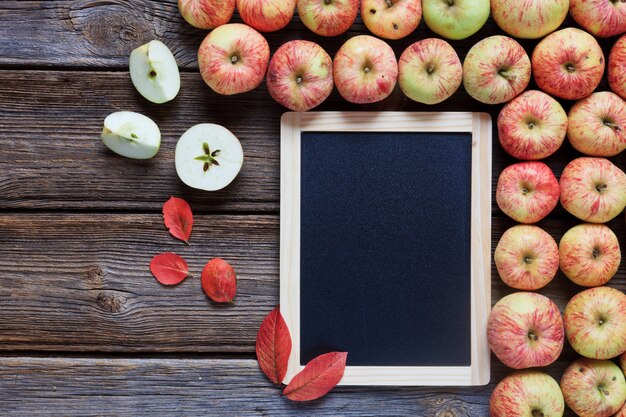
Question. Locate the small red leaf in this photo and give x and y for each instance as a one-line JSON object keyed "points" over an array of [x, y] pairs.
{"points": [[178, 218], [169, 268], [273, 346], [318, 377], [219, 281]]}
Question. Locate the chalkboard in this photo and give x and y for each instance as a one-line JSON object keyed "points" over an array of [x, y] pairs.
{"points": [[383, 236]]}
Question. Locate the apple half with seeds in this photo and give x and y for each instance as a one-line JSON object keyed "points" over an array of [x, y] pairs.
{"points": [[208, 157], [131, 134], [154, 72]]}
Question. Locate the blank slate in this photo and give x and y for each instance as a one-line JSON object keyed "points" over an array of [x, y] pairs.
{"points": [[385, 244]]}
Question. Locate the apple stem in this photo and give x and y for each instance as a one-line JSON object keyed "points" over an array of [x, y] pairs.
{"points": [[601, 187], [450, 2], [389, 3], [528, 260], [537, 413], [234, 59], [504, 74], [327, 1], [570, 68], [298, 80], [533, 337], [595, 253], [430, 69], [610, 124], [531, 125]]}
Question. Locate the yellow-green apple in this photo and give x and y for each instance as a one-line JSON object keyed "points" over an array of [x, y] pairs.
{"points": [[593, 388], [601, 18], [593, 189], [616, 72], [266, 15], [328, 17], [527, 258], [529, 19], [208, 157], [525, 330], [300, 75], [595, 322], [154, 72], [131, 134], [455, 19], [233, 59], [568, 63], [391, 19], [495, 70], [532, 126], [206, 14], [527, 393], [527, 191], [430, 71], [597, 123], [589, 254], [365, 69]]}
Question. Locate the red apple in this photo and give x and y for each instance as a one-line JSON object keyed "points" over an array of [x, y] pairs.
{"points": [[527, 258], [601, 18], [617, 68], [365, 69], [525, 330], [593, 189], [328, 17], [266, 15], [589, 254], [495, 70], [527, 393], [593, 388], [233, 59], [300, 75], [527, 191], [532, 126], [568, 64], [529, 19], [597, 123], [621, 412], [206, 14], [595, 322], [391, 19], [430, 71]]}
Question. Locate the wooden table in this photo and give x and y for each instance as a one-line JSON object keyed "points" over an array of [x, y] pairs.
{"points": [[84, 328]]}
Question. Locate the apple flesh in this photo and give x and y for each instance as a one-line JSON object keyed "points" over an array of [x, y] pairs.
{"points": [[266, 15], [597, 123], [154, 72], [391, 19], [595, 322], [539, 17], [495, 70], [455, 19], [206, 14], [593, 189], [593, 388], [525, 329], [601, 18], [131, 134], [532, 126], [527, 191], [617, 68], [589, 254], [233, 59], [527, 393], [208, 157], [568, 63], [328, 17], [300, 75], [430, 71]]}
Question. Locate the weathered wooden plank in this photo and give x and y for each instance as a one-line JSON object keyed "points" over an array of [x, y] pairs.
{"points": [[215, 387], [81, 282]]}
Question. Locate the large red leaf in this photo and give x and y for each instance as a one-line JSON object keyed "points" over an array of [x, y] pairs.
{"points": [[169, 268], [219, 281], [178, 218], [273, 346], [318, 377]]}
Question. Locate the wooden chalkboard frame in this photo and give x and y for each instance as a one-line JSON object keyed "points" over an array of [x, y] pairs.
{"points": [[479, 125]]}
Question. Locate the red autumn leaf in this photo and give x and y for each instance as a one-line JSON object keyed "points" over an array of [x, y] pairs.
{"points": [[318, 377], [273, 346], [178, 218], [219, 281], [169, 268]]}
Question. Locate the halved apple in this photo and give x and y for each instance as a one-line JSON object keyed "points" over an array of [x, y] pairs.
{"points": [[131, 134], [154, 72], [208, 157]]}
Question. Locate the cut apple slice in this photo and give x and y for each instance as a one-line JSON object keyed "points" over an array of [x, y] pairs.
{"points": [[131, 134], [208, 157], [154, 72]]}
